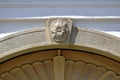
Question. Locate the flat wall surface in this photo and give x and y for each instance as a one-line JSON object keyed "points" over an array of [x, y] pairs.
{"points": [[37, 8], [106, 24]]}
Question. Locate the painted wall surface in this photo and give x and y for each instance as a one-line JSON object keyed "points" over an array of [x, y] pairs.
{"points": [[40, 8]]}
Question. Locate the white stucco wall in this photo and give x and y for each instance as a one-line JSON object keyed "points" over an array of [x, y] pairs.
{"points": [[40, 8]]}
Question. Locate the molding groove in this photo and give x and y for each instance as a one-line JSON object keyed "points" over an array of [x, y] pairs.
{"points": [[59, 5]]}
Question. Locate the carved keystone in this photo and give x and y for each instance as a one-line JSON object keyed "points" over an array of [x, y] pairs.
{"points": [[58, 30]]}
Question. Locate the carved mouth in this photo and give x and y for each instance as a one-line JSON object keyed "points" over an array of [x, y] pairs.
{"points": [[60, 37]]}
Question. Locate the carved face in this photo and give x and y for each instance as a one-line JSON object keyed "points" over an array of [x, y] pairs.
{"points": [[59, 31]]}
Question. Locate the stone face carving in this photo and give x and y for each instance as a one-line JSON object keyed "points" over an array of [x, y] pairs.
{"points": [[59, 29]]}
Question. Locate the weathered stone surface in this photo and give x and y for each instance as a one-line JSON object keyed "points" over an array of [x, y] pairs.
{"points": [[97, 40], [58, 30], [22, 39]]}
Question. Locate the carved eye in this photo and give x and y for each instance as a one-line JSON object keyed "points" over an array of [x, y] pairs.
{"points": [[53, 32]]}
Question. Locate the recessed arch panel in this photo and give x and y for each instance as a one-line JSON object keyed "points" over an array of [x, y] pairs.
{"points": [[60, 63]]}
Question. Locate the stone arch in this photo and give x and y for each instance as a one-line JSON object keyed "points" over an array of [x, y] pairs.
{"points": [[93, 50]]}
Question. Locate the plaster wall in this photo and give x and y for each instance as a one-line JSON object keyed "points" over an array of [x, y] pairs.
{"points": [[26, 9], [108, 24]]}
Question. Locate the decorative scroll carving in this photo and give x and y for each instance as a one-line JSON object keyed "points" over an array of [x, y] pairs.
{"points": [[59, 30]]}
